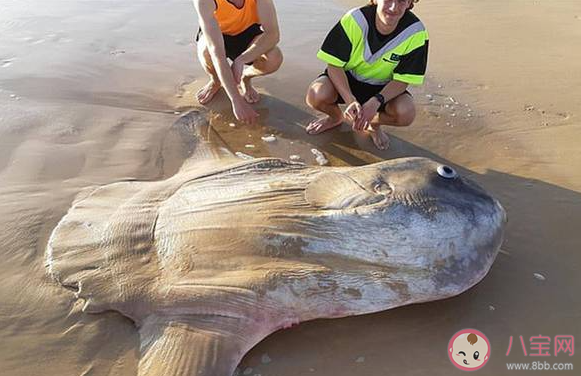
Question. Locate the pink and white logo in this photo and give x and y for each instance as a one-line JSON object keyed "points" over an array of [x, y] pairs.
{"points": [[469, 350]]}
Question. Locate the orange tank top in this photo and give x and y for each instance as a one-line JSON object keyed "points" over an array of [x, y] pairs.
{"points": [[233, 20]]}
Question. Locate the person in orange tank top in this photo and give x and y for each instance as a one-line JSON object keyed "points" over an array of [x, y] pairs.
{"points": [[247, 33]]}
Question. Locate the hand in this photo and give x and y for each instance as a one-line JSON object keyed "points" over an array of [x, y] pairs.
{"points": [[237, 70], [367, 114], [243, 111], [353, 111]]}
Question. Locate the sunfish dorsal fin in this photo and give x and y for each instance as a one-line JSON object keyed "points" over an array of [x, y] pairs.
{"points": [[192, 137]]}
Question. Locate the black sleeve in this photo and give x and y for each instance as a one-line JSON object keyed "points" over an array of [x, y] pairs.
{"points": [[414, 62], [337, 43]]}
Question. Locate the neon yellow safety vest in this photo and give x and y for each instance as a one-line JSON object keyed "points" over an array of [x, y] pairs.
{"points": [[377, 68]]}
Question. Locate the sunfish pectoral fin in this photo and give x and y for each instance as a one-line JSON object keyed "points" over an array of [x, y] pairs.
{"points": [[336, 191], [205, 345]]}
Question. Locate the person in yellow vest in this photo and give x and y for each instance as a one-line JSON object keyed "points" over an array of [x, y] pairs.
{"points": [[373, 53], [246, 32]]}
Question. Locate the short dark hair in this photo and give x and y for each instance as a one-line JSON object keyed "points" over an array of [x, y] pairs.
{"points": [[372, 2]]}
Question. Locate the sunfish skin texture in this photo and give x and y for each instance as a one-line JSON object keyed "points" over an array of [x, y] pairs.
{"points": [[212, 260]]}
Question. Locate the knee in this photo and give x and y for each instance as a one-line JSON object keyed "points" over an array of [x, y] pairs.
{"points": [[276, 58], [315, 95], [269, 62], [407, 117], [404, 113], [320, 92]]}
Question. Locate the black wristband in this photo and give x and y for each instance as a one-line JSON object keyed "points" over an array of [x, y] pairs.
{"points": [[380, 98]]}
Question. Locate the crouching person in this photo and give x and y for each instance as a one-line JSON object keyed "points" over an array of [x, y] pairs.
{"points": [[373, 53], [247, 33]]}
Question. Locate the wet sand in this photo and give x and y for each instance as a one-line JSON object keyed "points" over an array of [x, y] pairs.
{"points": [[88, 91]]}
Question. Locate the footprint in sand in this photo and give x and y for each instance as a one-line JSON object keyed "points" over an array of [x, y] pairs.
{"points": [[5, 63], [34, 40], [547, 117], [37, 41], [181, 41], [529, 107], [58, 38]]}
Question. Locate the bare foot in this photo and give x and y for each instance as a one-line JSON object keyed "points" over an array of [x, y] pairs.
{"points": [[379, 138], [207, 92], [249, 92], [322, 124]]}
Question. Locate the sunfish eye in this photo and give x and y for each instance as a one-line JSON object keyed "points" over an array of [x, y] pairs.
{"points": [[382, 187], [476, 355], [446, 172]]}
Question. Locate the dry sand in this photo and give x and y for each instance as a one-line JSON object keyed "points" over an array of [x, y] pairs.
{"points": [[88, 91]]}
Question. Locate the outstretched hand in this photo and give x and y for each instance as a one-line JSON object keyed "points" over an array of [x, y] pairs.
{"points": [[243, 111], [353, 111], [366, 114]]}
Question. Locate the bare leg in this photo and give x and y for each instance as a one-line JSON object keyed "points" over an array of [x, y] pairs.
{"points": [[322, 96], [399, 112], [265, 64], [207, 92]]}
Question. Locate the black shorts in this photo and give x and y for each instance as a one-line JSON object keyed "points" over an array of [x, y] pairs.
{"points": [[361, 90], [235, 45]]}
